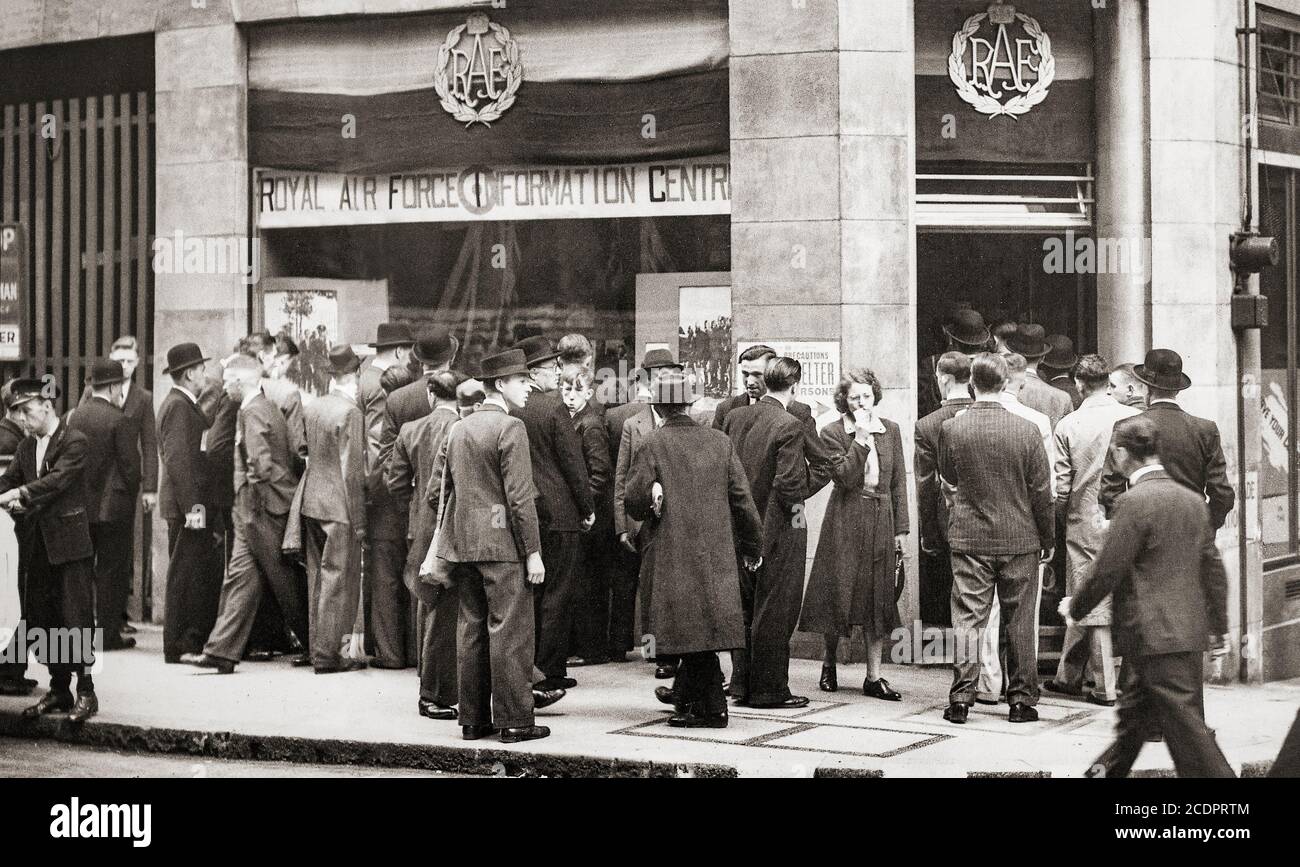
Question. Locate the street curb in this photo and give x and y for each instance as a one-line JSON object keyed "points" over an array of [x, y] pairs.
{"points": [[325, 751]]}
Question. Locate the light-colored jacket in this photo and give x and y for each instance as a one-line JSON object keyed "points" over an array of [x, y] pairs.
{"points": [[1082, 439]]}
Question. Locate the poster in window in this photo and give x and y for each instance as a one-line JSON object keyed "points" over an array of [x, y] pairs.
{"points": [[310, 317], [704, 336]]}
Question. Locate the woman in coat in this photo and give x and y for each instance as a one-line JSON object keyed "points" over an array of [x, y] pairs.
{"points": [[687, 484], [852, 580]]}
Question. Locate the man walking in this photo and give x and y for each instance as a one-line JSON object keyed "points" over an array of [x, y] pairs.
{"points": [[488, 535], [112, 478], [195, 529], [264, 485], [1170, 600], [1000, 527], [1082, 440], [953, 372], [1191, 450], [46, 482], [769, 440], [333, 507], [565, 507]]}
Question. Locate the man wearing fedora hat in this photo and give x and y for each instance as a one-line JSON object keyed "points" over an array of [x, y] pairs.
{"points": [[1057, 366], [333, 509], [966, 334], [565, 506], [1191, 449], [686, 484], [488, 549], [186, 500], [112, 476], [1030, 340], [47, 484]]}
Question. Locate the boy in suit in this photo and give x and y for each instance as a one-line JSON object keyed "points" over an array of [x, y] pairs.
{"points": [[1170, 604]]}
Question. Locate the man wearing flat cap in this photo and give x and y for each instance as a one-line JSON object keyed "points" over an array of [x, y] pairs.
{"points": [[188, 503], [112, 478], [46, 483], [333, 506], [390, 615], [1191, 449], [565, 506]]}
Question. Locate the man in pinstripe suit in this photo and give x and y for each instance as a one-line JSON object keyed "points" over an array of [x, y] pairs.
{"points": [[1000, 527]]}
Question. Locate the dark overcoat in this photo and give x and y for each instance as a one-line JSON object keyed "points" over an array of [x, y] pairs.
{"points": [[689, 553]]}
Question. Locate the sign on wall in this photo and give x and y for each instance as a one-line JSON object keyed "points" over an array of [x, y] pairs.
{"points": [[13, 291], [1001, 62], [478, 71], [820, 360], [291, 199]]}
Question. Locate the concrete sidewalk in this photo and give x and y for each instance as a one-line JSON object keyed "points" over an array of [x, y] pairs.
{"points": [[611, 725]]}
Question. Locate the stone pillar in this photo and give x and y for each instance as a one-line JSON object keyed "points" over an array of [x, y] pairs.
{"points": [[1123, 173], [1196, 183], [822, 152], [202, 189]]}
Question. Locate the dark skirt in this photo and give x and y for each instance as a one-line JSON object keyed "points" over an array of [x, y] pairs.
{"points": [[852, 580]]}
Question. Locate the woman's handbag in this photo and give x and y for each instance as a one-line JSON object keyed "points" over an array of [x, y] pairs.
{"points": [[900, 575]]}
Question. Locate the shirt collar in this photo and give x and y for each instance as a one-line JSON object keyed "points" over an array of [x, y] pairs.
{"points": [[451, 409], [1144, 471], [1101, 398], [57, 422], [185, 391], [784, 400], [496, 401], [1151, 403]]}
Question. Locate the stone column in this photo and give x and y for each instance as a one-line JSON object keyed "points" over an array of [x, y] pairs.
{"points": [[822, 153], [202, 189], [1196, 183], [1123, 173]]}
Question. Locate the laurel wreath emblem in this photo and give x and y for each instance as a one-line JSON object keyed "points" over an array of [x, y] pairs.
{"points": [[460, 110], [983, 102]]}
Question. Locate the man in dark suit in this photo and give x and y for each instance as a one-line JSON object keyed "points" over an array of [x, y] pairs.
{"points": [[953, 372], [753, 362], [1190, 448], [333, 508], [137, 408], [13, 675], [264, 484], [46, 482], [409, 477], [1000, 527], [967, 334], [112, 477], [195, 528], [1170, 606], [770, 440], [1057, 367], [565, 507], [497, 563]]}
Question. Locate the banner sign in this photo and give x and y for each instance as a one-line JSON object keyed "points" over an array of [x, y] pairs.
{"points": [[820, 360], [13, 291], [291, 199]]}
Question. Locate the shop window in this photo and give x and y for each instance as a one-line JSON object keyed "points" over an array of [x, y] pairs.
{"points": [[1279, 217], [1279, 68]]}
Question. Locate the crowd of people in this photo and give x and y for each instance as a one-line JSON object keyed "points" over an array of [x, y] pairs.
{"points": [[495, 528]]}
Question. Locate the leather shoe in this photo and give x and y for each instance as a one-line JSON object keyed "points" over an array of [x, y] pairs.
{"points": [[665, 672], [433, 710], [880, 689], [17, 686], [1021, 713], [579, 661], [302, 660], [524, 733], [698, 721], [128, 629], [51, 702], [203, 660], [473, 733], [546, 697], [828, 682], [85, 707], [1060, 688], [345, 665], [1104, 702], [666, 695], [793, 701], [956, 712], [555, 683]]}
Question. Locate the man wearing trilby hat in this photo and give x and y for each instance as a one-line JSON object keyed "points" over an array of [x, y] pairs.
{"points": [[967, 334], [187, 501], [685, 478], [1030, 340], [46, 483], [333, 509], [1190, 447]]}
